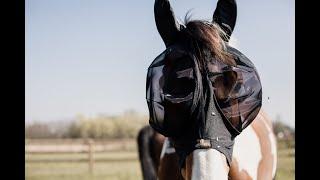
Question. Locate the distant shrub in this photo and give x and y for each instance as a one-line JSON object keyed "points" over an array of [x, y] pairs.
{"points": [[39, 130], [124, 126], [285, 134]]}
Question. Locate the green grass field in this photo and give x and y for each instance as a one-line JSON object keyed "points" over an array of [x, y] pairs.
{"points": [[73, 166], [286, 164], [115, 165]]}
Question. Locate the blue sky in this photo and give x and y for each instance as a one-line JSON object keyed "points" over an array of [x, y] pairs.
{"points": [[91, 57]]}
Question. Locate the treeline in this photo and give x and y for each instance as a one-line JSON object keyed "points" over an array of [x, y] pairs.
{"points": [[126, 125], [283, 131]]}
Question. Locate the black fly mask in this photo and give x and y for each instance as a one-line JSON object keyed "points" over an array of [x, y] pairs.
{"points": [[182, 97]]}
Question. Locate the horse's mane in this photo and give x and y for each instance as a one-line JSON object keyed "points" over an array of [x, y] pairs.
{"points": [[203, 36]]}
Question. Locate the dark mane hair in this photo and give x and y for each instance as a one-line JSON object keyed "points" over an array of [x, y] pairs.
{"points": [[203, 37]]}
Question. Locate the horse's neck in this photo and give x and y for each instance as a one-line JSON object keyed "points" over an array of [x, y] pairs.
{"points": [[254, 152]]}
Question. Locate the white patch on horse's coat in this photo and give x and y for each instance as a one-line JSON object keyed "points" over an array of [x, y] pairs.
{"points": [[247, 151], [170, 150], [166, 149], [208, 164]]}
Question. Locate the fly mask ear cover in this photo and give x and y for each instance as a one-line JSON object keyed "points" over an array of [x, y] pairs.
{"points": [[173, 91]]}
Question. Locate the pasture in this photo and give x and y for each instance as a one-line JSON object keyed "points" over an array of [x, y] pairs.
{"points": [[120, 163]]}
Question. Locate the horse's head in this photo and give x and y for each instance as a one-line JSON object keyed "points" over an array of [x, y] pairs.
{"points": [[195, 91], [202, 146]]}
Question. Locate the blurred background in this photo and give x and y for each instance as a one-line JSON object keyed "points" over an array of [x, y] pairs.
{"points": [[86, 65]]}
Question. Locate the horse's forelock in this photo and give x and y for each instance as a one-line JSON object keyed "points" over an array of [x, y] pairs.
{"points": [[203, 35]]}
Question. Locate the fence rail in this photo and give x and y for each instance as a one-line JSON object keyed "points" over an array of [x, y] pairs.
{"points": [[89, 146], [77, 145]]}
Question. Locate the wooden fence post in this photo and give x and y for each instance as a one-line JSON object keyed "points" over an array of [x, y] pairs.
{"points": [[90, 154]]}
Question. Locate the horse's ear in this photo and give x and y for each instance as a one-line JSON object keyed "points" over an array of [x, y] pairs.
{"points": [[225, 15], [166, 22]]}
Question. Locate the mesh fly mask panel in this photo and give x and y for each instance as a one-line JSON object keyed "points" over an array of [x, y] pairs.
{"points": [[237, 88], [172, 91]]}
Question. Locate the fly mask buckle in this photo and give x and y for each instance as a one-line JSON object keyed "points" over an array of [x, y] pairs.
{"points": [[203, 144]]}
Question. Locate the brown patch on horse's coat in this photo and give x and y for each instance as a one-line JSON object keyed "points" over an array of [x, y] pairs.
{"points": [[188, 168], [236, 174], [266, 162], [169, 168], [266, 118]]}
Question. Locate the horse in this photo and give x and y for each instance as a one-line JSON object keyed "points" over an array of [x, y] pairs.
{"points": [[246, 145], [254, 156]]}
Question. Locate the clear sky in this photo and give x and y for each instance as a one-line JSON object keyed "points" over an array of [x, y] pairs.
{"points": [[91, 57]]}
